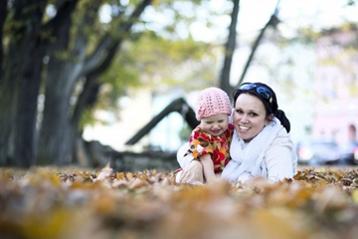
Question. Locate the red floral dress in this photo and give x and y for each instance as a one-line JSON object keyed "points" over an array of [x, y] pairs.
{"points": [[202, 143]]}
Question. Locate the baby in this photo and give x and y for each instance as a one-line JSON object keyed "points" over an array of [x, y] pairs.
{"points": [[210, 140]]}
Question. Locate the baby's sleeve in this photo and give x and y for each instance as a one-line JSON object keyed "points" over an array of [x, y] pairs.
{"points": [[200, 144]]}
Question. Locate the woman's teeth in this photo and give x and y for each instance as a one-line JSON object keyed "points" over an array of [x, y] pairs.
{"points": [[243, 127]]}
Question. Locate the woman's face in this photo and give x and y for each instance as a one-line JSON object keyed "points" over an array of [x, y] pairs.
{"points": [[249, 116]]}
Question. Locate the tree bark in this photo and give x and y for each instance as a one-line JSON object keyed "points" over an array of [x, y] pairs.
{"points": [[55, 128], [60, 125], [3, 14], [55, 134], [21, 84], [7, 106], [86, 100], [224, 82], [26, 110], [7, 94]]}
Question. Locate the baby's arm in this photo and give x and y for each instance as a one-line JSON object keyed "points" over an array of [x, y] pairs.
{"points": [[208, 168]]}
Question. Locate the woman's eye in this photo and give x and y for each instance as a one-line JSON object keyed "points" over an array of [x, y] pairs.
{"points": [[252, 114]]}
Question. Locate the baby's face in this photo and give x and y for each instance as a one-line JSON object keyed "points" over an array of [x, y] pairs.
{"points": [[215, 125]]}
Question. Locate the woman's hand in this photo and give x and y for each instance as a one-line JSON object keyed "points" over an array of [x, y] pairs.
{"points": [[192, 174]]}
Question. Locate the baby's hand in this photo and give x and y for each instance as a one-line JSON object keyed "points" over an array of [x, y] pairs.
{"points": [[192, 174]]}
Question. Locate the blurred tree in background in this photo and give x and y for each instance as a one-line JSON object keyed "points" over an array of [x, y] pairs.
{"points": [[57, 55]]}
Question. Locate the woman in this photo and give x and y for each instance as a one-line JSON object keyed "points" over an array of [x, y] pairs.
{"points": [[261, 145]]}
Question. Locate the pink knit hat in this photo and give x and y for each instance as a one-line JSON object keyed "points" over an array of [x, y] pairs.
{"points": [[212, 101]]}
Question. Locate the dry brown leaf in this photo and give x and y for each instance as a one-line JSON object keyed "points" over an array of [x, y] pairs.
{"points": [[317, 203]]}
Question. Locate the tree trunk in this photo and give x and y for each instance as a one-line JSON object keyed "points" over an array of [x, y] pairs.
{"points": [[86, 100], [5, 95], [7, 106], [59, 128], [55, 142], [22, 78], [55, 135], [273, 21], [26, 114], [3, 14], [224, 82]]}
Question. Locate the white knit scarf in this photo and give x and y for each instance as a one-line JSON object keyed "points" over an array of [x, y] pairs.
{"points": [[246, 158]]}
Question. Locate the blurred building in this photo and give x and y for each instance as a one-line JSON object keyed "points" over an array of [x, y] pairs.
{"points": [[336, 83]]}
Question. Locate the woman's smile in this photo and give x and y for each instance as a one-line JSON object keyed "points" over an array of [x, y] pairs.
{"points": [[243, 128]]}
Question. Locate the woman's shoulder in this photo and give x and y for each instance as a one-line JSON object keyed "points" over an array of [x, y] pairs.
{"points": [[282, 154], [281, 148], [282, 138]]}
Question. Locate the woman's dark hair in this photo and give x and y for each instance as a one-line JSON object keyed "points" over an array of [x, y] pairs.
{"points": [[267, 96]]}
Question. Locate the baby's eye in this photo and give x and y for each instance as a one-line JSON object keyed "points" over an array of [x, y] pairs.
{"points": [[239, 111]]}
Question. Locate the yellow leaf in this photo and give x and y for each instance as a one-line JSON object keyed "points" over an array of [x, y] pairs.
{"points": [[51, 225], [355, 196], [280, 223]]}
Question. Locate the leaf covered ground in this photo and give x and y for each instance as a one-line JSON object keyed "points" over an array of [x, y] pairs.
{"points": [[79, 203]]}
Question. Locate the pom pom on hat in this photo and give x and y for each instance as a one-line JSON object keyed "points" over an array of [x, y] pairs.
{"points": [[212, 101]]}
